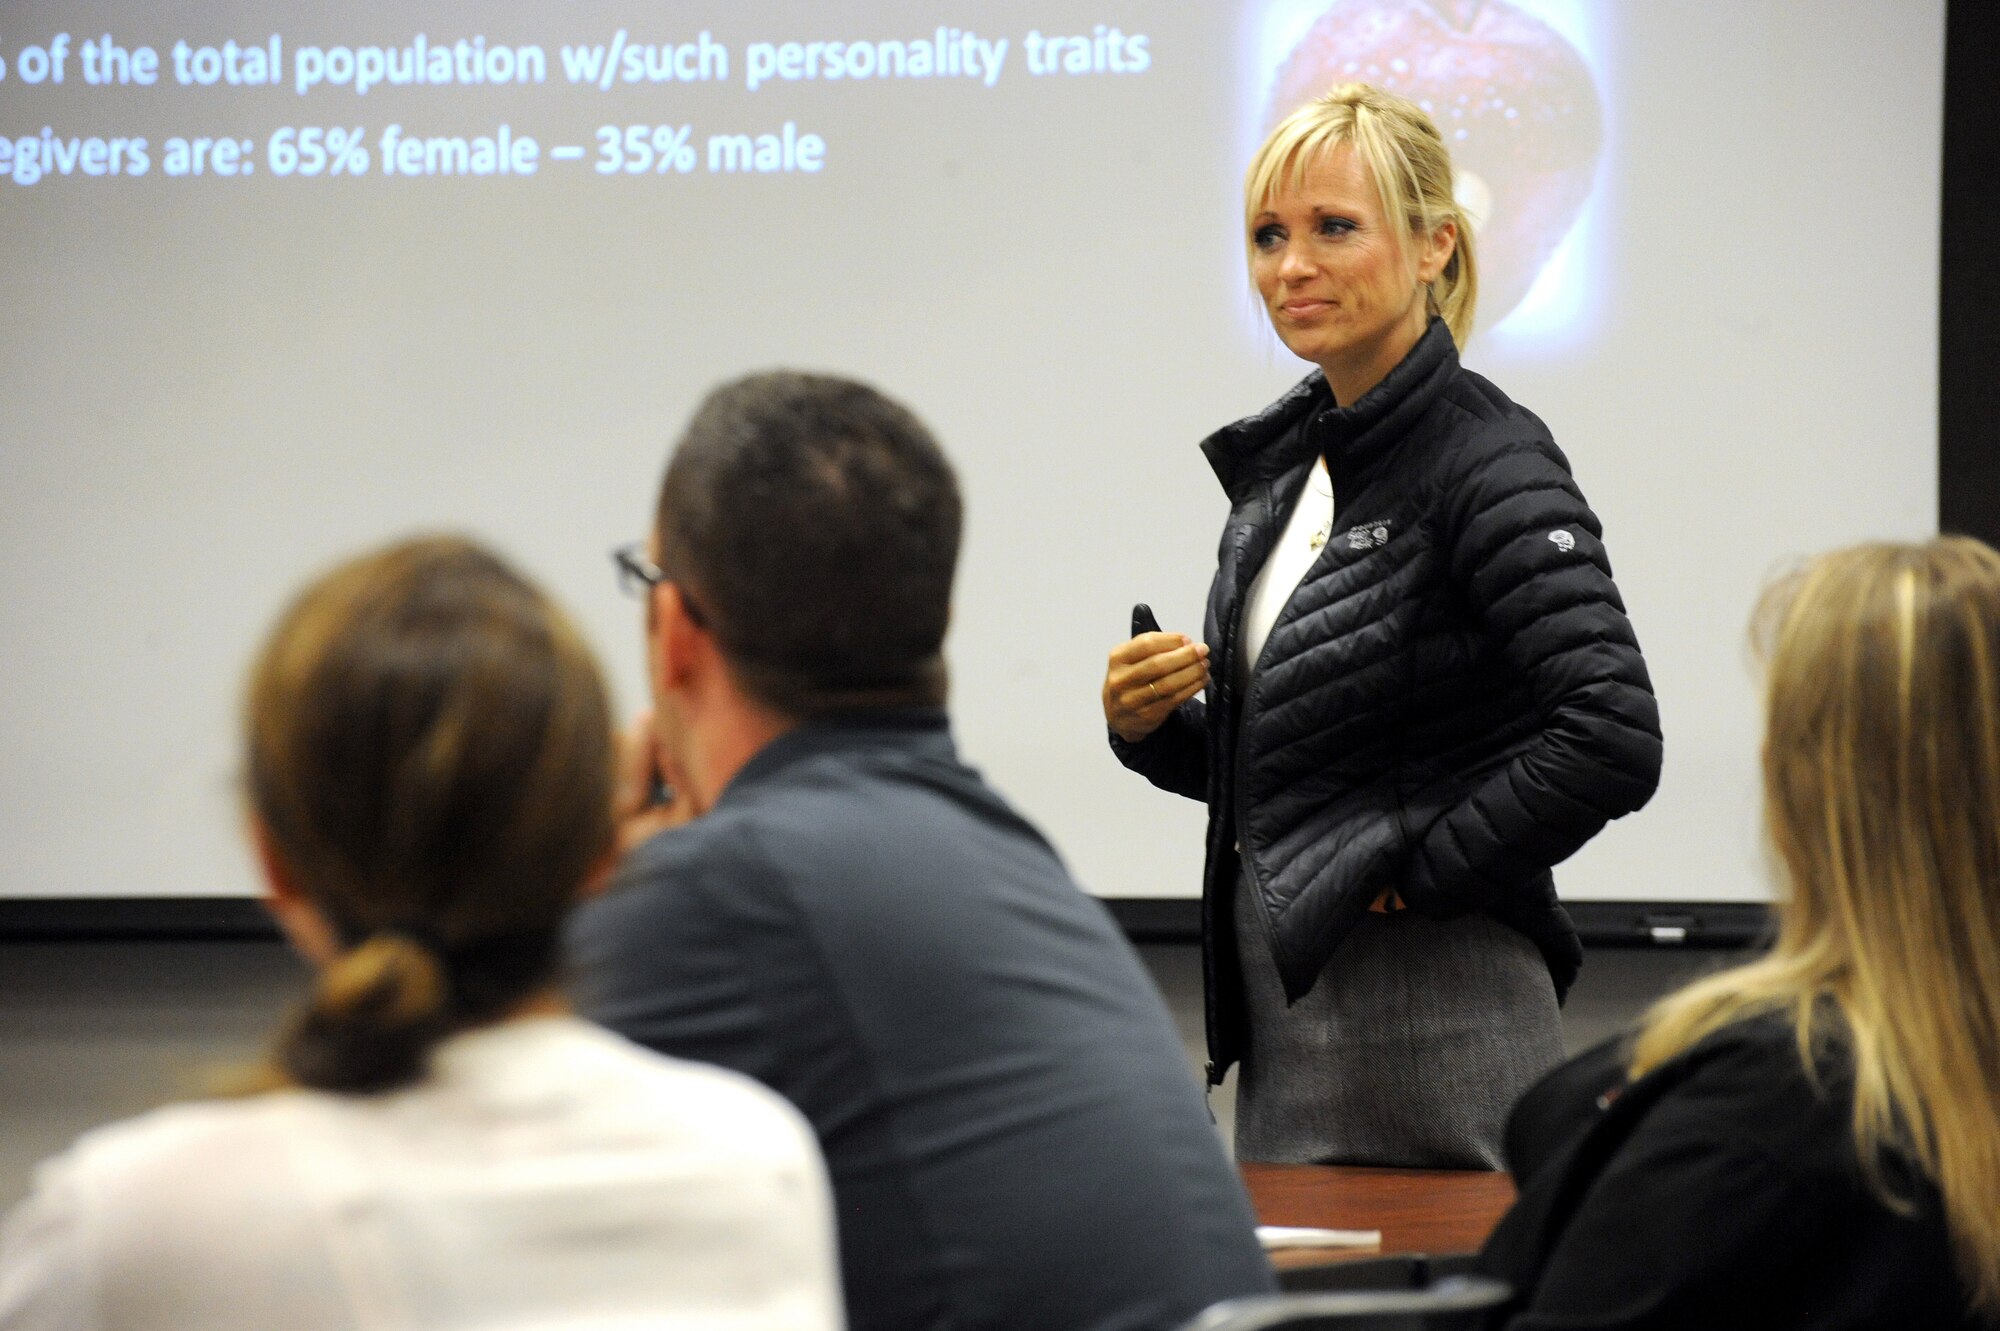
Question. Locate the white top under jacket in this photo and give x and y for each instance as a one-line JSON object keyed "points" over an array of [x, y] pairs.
{"points": [[545, 1174], [1291, 558]]}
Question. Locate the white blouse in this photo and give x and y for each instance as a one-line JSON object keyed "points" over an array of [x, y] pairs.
{"points": [[546, 1174], [1293, 556]]}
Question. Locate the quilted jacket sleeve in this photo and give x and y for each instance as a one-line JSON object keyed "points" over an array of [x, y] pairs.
{"points": [[1523, 550], [1174, 757]]}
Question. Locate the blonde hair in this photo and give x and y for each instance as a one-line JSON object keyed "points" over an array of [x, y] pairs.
{"points": [[1411, 168], [428, 749], [1882, 804]]}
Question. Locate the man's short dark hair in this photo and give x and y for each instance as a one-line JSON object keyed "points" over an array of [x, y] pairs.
{"points": [[814, 524]]}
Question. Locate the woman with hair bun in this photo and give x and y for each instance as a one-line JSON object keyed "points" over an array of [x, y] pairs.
{"points": [[1812, 1139], [1422, 689], [429, 771]]}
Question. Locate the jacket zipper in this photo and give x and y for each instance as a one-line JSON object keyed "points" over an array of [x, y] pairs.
{"points": [[1232, 625], [1270, 516]]}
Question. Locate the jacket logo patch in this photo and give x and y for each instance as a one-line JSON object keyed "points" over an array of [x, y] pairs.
{"points": [[1563, 540], [1367, 538]]}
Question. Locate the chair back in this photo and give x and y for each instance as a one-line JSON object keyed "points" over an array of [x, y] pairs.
{"points": [[1404, 1270], [1456, 1303]]}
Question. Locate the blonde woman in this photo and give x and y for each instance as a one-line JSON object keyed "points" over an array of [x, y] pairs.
{"points": [[429, 767], [1813, 1139], [1422, 689]]}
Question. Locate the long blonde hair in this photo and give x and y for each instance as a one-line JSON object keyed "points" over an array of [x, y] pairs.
{"points": [[1411, 167], [1882, 804]]}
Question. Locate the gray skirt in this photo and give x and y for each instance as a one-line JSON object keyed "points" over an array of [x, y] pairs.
{"points": [[1409, 1050]]}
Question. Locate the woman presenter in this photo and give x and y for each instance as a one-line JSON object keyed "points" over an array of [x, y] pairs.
{"points": [[1422, 689]]}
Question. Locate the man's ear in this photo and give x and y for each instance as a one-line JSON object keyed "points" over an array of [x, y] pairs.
{"points": [[678, 640]]}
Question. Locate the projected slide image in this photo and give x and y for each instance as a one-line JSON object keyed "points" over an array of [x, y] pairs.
{"points": [[1514, 98]]}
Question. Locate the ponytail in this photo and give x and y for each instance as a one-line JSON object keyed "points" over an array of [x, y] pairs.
{"points": [[1454, 297], [376, 1012], [371, 1019]]}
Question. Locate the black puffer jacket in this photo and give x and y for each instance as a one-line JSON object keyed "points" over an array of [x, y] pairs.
{"points": [[1452, 701]]}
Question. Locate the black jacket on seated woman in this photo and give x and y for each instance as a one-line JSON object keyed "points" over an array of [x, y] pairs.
{"points": [[1811, 1139], [1719, 1191]]}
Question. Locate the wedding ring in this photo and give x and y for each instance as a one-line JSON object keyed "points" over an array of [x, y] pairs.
{"points": [[1155, 688]]}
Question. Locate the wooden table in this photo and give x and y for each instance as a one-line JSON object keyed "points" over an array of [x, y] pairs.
{"points": [[1435, 1211]]}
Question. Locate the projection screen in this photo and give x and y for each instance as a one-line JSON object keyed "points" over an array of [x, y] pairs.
{"points": [[280, 283]]}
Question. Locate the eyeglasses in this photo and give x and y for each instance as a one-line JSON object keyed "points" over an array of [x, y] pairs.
{"points": [[638, 576]]}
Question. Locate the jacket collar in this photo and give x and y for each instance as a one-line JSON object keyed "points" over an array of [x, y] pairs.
{"points": [[1353, 438], [921, 732]]}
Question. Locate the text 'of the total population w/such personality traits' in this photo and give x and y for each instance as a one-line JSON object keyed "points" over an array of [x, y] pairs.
{"points": [[946, 53]]}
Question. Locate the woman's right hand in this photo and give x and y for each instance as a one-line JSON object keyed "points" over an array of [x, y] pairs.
{"points": [[1148, 677]]}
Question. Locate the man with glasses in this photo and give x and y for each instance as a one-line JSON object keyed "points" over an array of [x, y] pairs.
{"points": [[851, 916]]}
